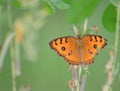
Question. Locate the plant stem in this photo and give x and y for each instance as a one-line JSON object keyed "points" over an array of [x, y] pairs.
{"points": [[74, 84], [78, 84], [9, 15], [85, 26], [84, 76], [0, 25], [5, 48], [13, 68], [111, 68], [116, 39], [17, 59], [75, 29], [116, 65], [117, 31], [83, 84], [12, 47]]}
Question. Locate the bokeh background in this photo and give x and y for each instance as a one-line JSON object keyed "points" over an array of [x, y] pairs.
{"points": [[41, 67]]}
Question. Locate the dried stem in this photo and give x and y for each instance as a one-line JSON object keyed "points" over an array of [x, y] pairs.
{"points": [[76, 31], [85, 26], [75, 76], [110, 72], [84, 76], [83, 84], [78, 84]]}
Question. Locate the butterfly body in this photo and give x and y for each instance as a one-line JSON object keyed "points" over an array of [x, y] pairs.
{"points": [[76, 50]]}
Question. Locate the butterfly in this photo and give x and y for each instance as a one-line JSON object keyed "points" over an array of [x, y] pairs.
{"points": [[78, 50]]}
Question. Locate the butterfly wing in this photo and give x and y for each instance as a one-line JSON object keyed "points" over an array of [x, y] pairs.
{"points": [[68, 48], [90, 46]]}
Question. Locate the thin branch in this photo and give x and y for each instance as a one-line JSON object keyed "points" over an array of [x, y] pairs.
{"points": [[9, 15], [13, 68], [17, 59], [75, 29], [110, 72], [84, 76], [111, 68], [117, 31], [83, 84], [9, 11], [5, 48], [74, 84], [85, 26], [0, 25]]}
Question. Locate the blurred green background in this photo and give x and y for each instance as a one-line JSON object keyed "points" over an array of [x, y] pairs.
{"points": [[41, 68]]}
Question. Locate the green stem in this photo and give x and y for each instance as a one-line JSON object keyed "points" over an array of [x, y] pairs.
{"points": [[117, 30], [9, 15], [17, 59], [114, 68], [12, 47], [0, 25], [13, 68], [5, 48]]}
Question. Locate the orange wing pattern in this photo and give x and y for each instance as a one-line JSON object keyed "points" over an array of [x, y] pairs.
{"points": [[90, 46], [78, 50], [68, 48]]}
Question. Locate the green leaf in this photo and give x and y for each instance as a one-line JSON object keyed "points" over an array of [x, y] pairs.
{"points": [[115, 2], [49, 7], [67, 1], [60, 4], [81, 9], [109, 18], [16, 3], [1, 1]]}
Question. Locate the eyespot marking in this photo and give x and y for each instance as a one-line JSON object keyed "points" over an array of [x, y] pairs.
{"points": [[63, 48], [95, 46]]}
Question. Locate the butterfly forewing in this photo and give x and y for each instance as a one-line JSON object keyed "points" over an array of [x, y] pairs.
{"points": [[68, 48]]}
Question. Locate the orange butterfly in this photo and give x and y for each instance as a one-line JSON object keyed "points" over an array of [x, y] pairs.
{"points": [[78, 50]]}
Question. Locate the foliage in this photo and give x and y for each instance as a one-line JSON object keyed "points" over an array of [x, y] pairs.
{"points": [[79, 10], [109, 18], [23, 31]]}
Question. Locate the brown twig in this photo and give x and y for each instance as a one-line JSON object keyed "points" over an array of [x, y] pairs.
{"points": [[78, 84], [74, 83]]}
